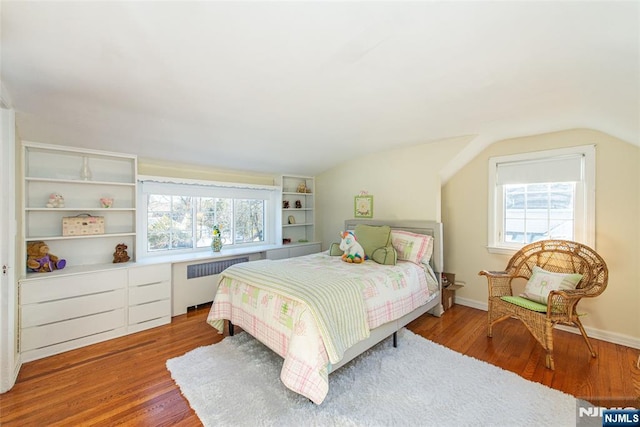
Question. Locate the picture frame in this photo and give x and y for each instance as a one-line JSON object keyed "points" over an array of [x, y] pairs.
{"points": [[363, 207]]}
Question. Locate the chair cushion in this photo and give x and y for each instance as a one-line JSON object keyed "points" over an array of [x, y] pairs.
{"points": [[542, 282], [525, 303]]}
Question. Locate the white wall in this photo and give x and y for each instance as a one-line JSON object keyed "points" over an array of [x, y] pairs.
{"points": [[614, 315], [405, 185], [404, 182]]}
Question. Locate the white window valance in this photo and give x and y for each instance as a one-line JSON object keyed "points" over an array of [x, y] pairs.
{"points": [[201, 188]]}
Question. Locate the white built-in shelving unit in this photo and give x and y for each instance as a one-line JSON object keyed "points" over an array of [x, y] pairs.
{"points": [[92, 299], [298, 223], [82, 177]]}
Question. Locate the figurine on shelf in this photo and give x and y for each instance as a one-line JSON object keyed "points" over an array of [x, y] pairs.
{"points": [[106, 202], [302, 187], [216, 239], [298, 204], [285, 204], [55, 201], [120, 255]]}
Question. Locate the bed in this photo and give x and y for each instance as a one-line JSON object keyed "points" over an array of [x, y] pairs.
{"points": [[318, 312]]}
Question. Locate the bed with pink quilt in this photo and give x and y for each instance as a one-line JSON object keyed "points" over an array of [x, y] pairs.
{"points": [[318, 312]]}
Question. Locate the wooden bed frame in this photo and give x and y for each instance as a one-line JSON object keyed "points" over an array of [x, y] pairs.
{"points": [[433, 306]]}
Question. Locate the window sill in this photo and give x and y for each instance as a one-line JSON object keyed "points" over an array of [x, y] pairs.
{"points": [[501, 250], [209, 254]]}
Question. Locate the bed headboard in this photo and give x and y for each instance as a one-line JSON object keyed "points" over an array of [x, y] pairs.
{"points": [[431, 228]]}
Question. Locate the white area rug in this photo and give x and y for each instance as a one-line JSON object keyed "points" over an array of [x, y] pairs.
{"points": [[237, 383]]}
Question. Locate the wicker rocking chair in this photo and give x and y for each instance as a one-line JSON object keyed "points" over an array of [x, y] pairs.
{"points": [[559, 256]]}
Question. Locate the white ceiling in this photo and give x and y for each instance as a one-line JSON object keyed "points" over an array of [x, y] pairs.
{"points": [[298, 87]]}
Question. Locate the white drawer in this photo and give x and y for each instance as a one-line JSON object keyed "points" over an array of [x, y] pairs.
{"points": [[45, 335], [53, 288], [147, 293], [149, 274], [148, 325], [56, 311], [145, 312]]}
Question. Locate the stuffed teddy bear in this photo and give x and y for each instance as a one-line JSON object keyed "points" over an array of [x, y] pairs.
{"points": [[120, 255], [353, 251], [40, 260]]}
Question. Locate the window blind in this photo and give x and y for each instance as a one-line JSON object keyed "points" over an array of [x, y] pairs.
{"points": [[556, 169]]}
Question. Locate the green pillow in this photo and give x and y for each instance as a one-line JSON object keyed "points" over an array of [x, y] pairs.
{"points": [[372, 237], [335, 250], [386, 255]]}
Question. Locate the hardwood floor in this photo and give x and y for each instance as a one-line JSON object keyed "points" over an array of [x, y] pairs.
{"points": [[124, 381]]}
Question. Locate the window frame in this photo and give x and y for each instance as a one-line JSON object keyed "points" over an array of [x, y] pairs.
{"points": [[585, 194], [200, 188]]}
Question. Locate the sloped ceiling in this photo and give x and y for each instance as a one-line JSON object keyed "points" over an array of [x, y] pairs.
{"points": [[299, 87]]}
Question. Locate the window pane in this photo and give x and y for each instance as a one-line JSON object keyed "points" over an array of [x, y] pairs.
{"points": [[169, 222], [249, 220], [561, 230], [514, 196], [514, 230], [210, 212], [535, 212]]}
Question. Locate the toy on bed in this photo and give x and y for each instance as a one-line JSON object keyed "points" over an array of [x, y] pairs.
{"points": [[40, 260], [353, 251]]}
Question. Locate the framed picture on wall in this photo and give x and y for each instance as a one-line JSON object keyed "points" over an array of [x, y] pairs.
{"points": [[363, 207]]}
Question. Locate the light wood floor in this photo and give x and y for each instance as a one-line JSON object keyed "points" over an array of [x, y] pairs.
{"points": [[125, 381]]}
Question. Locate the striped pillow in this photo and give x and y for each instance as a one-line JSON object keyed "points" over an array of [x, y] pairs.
{"points": [[411, 246]]}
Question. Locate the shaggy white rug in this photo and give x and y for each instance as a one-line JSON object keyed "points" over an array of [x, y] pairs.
{"points": [[237, 383]]}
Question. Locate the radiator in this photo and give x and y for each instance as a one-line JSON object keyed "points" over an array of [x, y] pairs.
{"points": [[210, 268], [196, 284]]}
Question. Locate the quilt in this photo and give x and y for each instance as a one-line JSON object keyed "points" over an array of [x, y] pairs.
{"points": [[310, 309]]}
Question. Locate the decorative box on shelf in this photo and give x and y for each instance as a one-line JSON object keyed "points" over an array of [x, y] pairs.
{"points": [[82, 225]]}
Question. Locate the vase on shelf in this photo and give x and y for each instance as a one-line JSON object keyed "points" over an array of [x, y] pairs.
{"points": [[85, 172], [216, 244], [216, 240]]}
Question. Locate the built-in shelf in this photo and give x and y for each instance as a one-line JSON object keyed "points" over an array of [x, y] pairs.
{"points": [[88, 236], [302, 229], [82, 177]]}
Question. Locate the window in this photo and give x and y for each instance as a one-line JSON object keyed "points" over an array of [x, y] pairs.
{"points": [[180, 216], [541, 195]]}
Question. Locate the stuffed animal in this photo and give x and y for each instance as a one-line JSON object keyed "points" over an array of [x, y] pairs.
{"points": [[353, 251], [120, 255], [40, 260], [55, 201]]}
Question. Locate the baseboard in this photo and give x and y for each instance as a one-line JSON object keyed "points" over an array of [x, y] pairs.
{"points": [[599, 334], [472, 303], [8, 383]]}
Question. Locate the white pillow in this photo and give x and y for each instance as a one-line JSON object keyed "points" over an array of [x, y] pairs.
{"points": [[427, 255], [411, 246], [542, 282]]}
